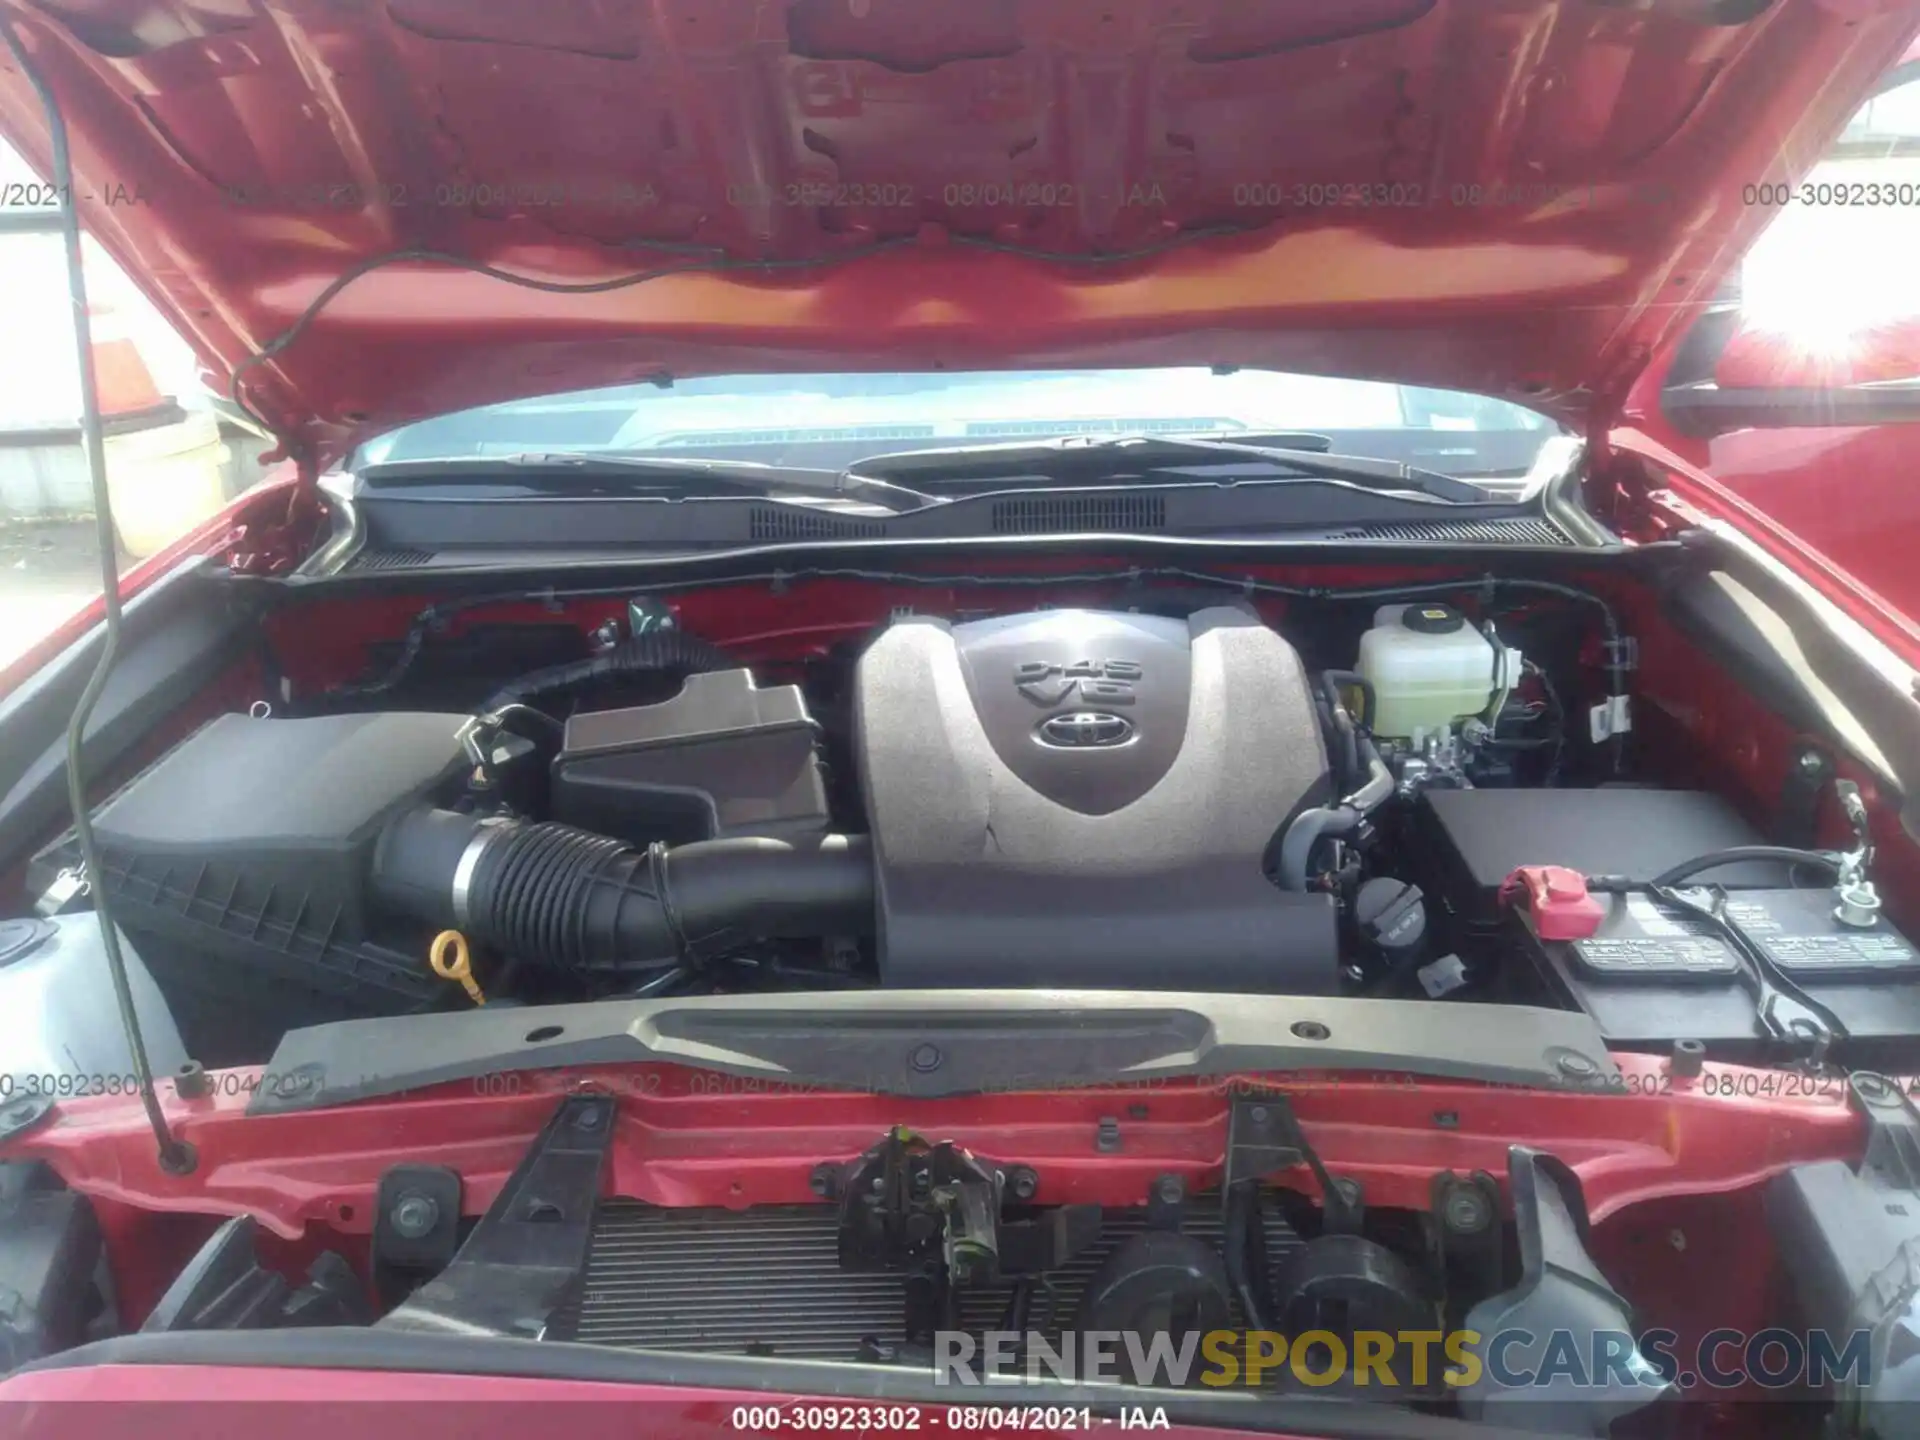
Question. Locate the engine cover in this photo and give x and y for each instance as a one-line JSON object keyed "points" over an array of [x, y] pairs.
{"points": [[1082, 798]]}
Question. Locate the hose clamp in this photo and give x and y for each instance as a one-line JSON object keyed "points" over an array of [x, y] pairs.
{"points": [[657, 875], [484, 834]]}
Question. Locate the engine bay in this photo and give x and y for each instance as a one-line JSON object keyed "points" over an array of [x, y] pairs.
{"points": [[1372, 795], [1448, 793]]}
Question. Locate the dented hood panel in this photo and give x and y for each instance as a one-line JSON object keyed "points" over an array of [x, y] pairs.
{"points": [[1518, 197]]}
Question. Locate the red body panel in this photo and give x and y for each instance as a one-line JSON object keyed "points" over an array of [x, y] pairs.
{"points": [[694, 1138], [185, 1402], [1524, 199], [1846, 492]]}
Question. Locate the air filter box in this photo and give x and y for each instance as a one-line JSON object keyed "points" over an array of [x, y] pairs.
{"points": [[238, 865]]}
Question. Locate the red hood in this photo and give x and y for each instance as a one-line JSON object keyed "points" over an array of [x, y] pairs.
{"points": [[1518, 197]]}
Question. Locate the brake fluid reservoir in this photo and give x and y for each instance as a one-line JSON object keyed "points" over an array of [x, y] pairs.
{"points": [[1430, 670]]}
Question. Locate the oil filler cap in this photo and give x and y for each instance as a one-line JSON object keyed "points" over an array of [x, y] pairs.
{"points": [[1432, 619]]}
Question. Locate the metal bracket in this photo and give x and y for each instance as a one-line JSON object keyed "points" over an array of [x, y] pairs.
{"points": [[274, 546], [1263, 1136], [416, 1228], [525, 1258], [1858, 902], [1622, 654], [646, 614], [1797, 819], [1167, 1203], [67, 892], [890, 1218], [1893, 1129], [1467, 1232], [914, 1206]]}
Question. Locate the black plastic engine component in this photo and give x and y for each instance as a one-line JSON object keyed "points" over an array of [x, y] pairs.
{"points": [[225, 1287], [416, 1228], [1345, 1284], [526, 1256], [237, 864], [1084, 798], [648, 653], [1561, 1292], [49, 1252], [1850, 1241], [913, 1206], [563, 898], [1263, 1136], [720, 758], [905, 1204], [1479, 837], [1158, 1283]]}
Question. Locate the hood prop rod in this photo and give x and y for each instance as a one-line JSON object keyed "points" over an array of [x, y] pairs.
{"points": [[176, 1157]]}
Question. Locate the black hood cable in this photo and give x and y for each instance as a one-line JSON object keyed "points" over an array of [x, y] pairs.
{"points": [[176, 1157]]}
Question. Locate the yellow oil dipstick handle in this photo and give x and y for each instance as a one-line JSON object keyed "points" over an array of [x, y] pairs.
{"points": [[450, 961]]}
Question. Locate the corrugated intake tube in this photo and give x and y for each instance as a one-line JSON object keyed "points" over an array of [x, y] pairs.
{"points": [[565, 898]]}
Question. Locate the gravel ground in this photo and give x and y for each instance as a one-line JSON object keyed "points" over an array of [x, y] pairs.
{"points": [[48, 570]]}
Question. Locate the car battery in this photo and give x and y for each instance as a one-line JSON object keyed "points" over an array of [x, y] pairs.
{"points": [[1644, 938], [1654, 972]]}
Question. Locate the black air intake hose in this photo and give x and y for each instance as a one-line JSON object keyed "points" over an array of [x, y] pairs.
{"points": [[565, 898], [643, 654]]}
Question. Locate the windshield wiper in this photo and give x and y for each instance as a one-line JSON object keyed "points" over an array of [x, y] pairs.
{"points": [[680, 476], [877, 480], [1102, 456]]}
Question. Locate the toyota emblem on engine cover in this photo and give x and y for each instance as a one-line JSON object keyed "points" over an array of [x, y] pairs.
{"points": [[1085, 729]]}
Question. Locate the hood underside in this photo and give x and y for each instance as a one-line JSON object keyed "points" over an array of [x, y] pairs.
{"points": [[1517, 197]]}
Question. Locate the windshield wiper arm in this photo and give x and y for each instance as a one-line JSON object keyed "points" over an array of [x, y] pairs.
{"points": [[1363, 470], [1099, 455], [671, 472]]}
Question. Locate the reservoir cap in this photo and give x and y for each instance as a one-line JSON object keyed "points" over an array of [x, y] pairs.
{"points": [[1432, 619]]}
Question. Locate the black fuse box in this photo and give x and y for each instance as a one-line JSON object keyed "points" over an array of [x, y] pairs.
{"points": [[1476, 838], [721, 758]]}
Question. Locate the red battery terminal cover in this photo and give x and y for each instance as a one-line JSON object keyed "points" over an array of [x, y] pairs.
{"points": [[1562, 907]]}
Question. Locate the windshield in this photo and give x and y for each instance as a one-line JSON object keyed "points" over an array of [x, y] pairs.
{"points": [[842, 418]]}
